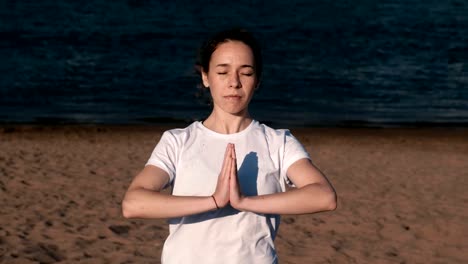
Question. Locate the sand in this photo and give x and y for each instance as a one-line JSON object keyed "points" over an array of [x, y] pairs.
{"points": [[401, 197]]}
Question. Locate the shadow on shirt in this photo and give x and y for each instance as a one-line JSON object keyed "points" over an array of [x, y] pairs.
{"points": [[247, 175]]}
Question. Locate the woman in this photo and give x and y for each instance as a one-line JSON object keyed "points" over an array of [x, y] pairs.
{"points": [[228, 173]]}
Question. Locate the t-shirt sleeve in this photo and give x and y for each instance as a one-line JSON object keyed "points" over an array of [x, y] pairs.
{"points": [[293, 151], [164, 155]]}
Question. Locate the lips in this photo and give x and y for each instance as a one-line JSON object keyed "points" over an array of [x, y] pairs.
{"points": [[233, 97]]}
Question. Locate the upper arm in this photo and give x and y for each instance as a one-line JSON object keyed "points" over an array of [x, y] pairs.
{"points": [[298, 168], [303, 172], [150, 178], [160, 168]]}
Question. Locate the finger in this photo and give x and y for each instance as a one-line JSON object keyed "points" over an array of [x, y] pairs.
{"points": [[233, 160], [235, 179], [233, 167], [232, 171], [226, 154], [225, 166], [234, 157], [232, 179], [234, 153], [227, 170]]}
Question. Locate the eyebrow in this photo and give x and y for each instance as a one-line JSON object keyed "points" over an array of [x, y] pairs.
{"points": [[227, 65]]}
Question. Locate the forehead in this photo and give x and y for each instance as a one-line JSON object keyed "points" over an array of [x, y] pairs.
{"points": [[232, 52]]}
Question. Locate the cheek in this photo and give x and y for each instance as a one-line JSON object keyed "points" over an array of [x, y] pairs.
{"points": [[212, 82], [218, 81], [250, 82]]}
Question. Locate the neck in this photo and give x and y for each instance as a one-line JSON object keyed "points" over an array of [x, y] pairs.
{"points": [[227, 123]]}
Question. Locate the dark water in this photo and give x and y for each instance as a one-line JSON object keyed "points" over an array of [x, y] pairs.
{"points": [[326, 62]]}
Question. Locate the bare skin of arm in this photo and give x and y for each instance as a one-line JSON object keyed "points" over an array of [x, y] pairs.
{"points": [[144, 199], [313, 192]]}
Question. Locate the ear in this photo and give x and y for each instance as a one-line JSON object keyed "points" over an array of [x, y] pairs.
{"points": [[204, 76]]}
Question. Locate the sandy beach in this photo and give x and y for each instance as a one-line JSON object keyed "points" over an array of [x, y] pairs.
{"points": [[401, 196]]}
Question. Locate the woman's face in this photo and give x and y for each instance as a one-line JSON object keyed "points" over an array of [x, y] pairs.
{"points": [[231, 77]]}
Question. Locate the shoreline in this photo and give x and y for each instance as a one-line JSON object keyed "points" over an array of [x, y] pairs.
{"points": [[32, 126], [167, 122]]}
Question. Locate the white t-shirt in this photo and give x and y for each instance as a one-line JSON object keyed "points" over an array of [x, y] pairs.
{"points": [[193, 158]]}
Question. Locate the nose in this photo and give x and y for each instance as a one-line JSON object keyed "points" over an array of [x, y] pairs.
{"points": [[234, 81]]}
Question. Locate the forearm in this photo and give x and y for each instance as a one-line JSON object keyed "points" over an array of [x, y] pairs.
{"points": [[143, 203], [311, 198]]}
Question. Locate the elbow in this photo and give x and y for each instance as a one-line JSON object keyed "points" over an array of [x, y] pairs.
{"points": [[331, 203], [127, 209]]}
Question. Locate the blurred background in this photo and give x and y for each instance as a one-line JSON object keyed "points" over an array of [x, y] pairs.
{"points": [[327, 63]]}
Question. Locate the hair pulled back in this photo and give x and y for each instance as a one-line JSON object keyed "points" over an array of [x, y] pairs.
{"points": [[234, 34]]}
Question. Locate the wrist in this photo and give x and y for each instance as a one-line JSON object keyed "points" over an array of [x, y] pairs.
{"points": [[215, 202], [244, 204]]}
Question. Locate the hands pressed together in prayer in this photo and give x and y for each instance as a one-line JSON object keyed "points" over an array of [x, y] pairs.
{"points": [[312, 193], [227, 189]]}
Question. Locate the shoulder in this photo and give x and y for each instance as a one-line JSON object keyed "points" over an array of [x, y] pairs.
{"points": [[281, 139], [179, 136], [273, 134]]}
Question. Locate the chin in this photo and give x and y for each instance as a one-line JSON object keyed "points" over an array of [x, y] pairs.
{"points": [[235, 111]]}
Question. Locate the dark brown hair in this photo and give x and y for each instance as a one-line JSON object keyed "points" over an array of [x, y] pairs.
{"points": [[234, 34]]}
